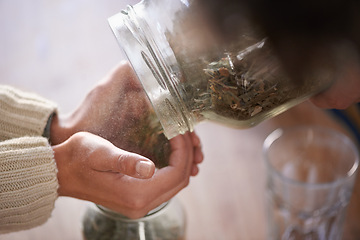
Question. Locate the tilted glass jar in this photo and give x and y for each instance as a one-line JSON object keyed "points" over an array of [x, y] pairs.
{"points": [[166, 222], [190, 74]]}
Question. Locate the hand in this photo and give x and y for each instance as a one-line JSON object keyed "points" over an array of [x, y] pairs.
{"points": [[91, 168], [344, 92], [110, 107], [339, 59], [118, 110]]}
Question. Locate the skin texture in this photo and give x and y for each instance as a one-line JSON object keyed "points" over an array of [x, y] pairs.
{"points": [[91, 168], [96, 162], [344, 92], [114, 109]]}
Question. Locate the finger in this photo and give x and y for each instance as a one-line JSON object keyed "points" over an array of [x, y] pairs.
{"points": [[134, 165], [120, 161], [167, 181], [343, 92], [195, 139], [198, 155], [177, 174], [181, 149], [172, 178], [194, 170]]}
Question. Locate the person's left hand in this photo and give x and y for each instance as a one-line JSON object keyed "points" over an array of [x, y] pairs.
{"points": [[344, 92], [93, 169]]}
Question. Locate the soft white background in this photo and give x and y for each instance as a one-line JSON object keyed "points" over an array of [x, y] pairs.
{"points": [[61, 48]]}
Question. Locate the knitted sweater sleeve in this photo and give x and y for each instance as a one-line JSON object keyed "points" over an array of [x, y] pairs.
{"points": [[28, 182]]}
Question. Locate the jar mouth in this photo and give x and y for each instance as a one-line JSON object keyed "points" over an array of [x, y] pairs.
{"points": [[160, 75], [117, 216]]}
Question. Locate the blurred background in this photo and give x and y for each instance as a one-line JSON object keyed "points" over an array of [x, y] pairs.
{"points": [[61, 48], [57, 48]]}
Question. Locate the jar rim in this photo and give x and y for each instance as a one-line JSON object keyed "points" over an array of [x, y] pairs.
{"points": [[118, 216]]}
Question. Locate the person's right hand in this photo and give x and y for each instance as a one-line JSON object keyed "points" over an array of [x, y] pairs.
{"points": [[91, 168], [345, 90], [118, 110]]}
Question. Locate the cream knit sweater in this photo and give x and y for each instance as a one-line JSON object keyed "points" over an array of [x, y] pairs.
{"points": [[28, 183]]}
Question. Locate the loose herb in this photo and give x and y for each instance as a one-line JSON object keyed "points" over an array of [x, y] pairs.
{"points": [[238, 82], [241, 86], [147, 138]]}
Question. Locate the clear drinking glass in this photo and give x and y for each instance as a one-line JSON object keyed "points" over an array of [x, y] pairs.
{"points": [[166, 222], [310, 177]]}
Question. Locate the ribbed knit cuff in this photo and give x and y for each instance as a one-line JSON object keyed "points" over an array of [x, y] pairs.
{"points": [[23, 113], [28, 183]]}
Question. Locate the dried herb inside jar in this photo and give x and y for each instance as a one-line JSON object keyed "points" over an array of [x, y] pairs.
{"points": [[237, 84], [244, 84], [250, 82], [240, 86], [239, 80]]}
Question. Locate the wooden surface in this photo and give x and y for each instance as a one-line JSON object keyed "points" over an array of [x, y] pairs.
{"points": [[60, 49]]}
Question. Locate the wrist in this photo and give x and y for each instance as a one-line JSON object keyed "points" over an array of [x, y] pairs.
{"points": [[61, 154], [47, 132], [60, 129]]}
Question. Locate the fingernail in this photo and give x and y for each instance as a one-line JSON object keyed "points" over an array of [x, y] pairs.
{"points": [[144, 168]]}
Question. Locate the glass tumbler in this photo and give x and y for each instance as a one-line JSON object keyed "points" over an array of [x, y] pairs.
{"points": [[166, 222], [310, 177]]}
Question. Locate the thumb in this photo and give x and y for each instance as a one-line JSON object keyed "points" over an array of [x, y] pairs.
{"points": [[124, 162], [105, 157], [134, 165]]}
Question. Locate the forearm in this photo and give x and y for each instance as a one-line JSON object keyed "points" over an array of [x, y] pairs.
{"points": [[22, 113], [29, 183]]}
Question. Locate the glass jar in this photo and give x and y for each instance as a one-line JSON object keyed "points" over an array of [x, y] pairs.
{"points": [[167, 222], [192, 73]]}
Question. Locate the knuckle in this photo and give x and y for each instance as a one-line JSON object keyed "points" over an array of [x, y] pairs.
{"points": [[186, 182], [78, 137], [121, 163], [77, 143], [127, 67], [137, 205], [183, 179], [336, 103]]}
